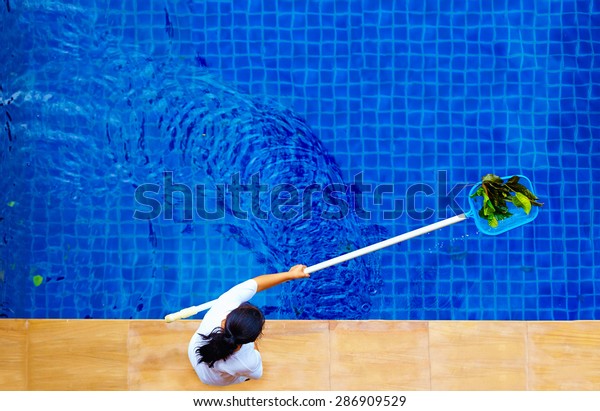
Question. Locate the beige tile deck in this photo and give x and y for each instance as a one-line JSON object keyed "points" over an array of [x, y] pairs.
{"points": [[158, 356], [564, 356], [13, 355], [379, 355], [77, 355], [478, 355], [295, 356], [307, 355]]}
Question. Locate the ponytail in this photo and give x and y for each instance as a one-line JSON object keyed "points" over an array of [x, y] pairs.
{"points": [[219, 347], [242, 326]]}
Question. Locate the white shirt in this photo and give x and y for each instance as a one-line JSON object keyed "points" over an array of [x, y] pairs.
{"points": [[242, 364]]}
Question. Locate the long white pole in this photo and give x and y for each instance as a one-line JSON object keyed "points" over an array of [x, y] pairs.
{"points": [[188, 312]]}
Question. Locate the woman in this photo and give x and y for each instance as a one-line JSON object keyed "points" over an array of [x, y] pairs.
{"points": [[223, 350]]}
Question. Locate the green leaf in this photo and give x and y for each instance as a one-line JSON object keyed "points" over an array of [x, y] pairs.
{"points": [[521, 200], [477, 193], [38, 280], [491, 178], [488, 208], [497, 193], [513, 180], [519, 188]]}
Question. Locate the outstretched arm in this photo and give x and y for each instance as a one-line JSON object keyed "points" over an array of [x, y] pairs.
{"points": [[269, 280]]}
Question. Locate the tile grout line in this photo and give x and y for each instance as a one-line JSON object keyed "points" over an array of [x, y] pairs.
{"points": [[527, 355], [127, 345], [329, 349], [27, 388], [429, 353]]}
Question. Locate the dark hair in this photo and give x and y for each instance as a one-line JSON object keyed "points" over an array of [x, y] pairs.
{"points": [[243, 325]]}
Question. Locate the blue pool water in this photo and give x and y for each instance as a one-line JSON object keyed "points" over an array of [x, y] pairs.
{"points": [[100, 98]]}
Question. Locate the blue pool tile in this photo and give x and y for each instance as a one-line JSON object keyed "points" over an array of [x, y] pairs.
{"points": [[427, 80]]}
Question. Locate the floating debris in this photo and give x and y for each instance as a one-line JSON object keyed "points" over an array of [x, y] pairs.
{"points": [[38, 280]]}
